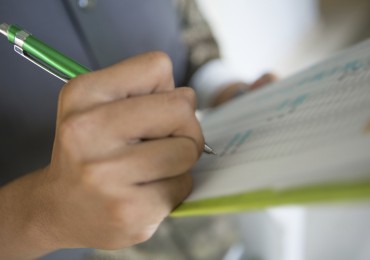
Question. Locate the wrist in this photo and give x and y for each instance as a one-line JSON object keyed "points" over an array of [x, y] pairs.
{"points": [[25, 218]]}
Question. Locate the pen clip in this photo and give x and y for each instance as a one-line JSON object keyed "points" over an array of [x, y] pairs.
{"points": [[28, 57]]}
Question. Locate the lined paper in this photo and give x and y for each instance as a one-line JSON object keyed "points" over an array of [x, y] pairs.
{"points": [[310, 128]]}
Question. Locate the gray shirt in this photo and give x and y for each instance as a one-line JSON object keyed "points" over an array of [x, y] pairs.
{"points": [[97, 37]]}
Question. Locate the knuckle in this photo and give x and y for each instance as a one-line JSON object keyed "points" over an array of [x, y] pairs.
{"points": [[71, 90], [90, 175], [190, 95], [68, 126], [180, 103], [78, 82], [76, 132], [161, 61], [69, 129], [77, 124], [188, 92]]}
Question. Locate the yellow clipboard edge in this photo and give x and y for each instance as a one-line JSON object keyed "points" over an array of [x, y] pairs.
{"points": [[273, 197]]}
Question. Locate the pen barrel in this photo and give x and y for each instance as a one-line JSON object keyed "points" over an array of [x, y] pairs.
{"points": [[53, 58], [46, 54]]}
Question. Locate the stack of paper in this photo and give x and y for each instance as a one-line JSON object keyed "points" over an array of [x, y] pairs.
{"points": [[303, 139]]}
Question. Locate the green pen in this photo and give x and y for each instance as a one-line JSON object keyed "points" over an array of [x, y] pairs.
{"points": [[42, 55], [47, 58]]}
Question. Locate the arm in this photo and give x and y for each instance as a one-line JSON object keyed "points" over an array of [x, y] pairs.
{"points": [[106, 187]]}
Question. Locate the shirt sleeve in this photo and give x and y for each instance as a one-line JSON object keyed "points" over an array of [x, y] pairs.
{"points": [[197, 36], [207, 74]]}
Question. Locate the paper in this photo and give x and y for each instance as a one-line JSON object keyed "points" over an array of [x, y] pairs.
{"points": [[310, 129]]}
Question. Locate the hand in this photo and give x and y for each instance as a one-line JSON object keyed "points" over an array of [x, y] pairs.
{"points": [[233, 90], [124, 144]]}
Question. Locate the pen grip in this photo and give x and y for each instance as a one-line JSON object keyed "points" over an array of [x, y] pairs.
{"points": [[53, 58]]}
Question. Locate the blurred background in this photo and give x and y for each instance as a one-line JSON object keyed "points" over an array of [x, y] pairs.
{"points": [[282, 36]]}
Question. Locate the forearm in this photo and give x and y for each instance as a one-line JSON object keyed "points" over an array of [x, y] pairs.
{"points": [[23, 221]]}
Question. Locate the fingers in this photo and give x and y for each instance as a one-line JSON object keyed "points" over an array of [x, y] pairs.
{"points": [[263, 80], [147, 162], [167, 194], [124, 137], [229, 92], [110, 127], [143, 74], [150, 117], [155, 201], [236, 89]]}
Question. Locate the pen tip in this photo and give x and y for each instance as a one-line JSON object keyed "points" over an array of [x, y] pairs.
{"points": [[209, 150], [4, 29]]}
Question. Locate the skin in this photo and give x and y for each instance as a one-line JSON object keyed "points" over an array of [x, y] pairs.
{"points": [[230, 91], [125, 141]]}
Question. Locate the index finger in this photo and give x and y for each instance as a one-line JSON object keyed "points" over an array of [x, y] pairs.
{"points": [[144, 74]]}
